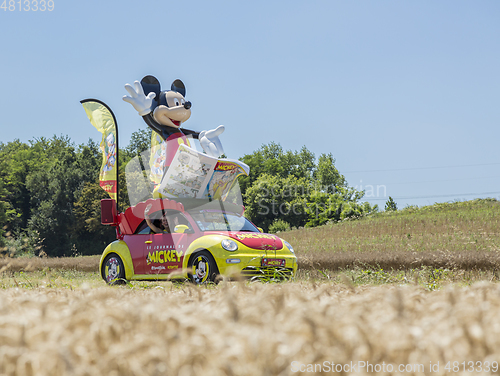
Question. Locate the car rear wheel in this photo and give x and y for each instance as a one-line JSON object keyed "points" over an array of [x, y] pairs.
{"points": [[113, 270], [203, 268]]}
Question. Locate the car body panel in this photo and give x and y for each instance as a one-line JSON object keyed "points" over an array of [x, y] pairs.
{"points": [[121, 249], [164, 253], [136, 245]]}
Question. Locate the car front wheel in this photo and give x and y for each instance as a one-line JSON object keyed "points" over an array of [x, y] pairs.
{"points": [[113, 269], [203, 268]]}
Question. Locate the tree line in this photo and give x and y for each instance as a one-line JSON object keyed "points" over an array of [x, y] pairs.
{"points": [[50, 194]]}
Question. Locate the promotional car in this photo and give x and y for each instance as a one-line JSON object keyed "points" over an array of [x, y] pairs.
{"points": [[196, 239]]}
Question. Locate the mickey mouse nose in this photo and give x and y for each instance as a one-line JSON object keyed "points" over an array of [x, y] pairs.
{"points": [[187, 105]]}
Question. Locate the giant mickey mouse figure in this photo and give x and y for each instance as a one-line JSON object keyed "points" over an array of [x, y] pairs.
{"points": [[165, 111]]}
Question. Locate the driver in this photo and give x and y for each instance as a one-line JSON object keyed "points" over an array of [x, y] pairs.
{"points": [[164, 222]]}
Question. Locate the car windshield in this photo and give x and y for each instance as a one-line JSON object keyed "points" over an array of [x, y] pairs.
{"points": [[210, 220]]}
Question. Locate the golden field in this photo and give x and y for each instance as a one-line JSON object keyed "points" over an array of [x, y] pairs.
{"points": [[242, 329]]}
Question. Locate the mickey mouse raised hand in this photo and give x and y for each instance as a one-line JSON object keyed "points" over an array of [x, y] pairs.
{"points": [[209, 141], [141, 102], [165, 111]]}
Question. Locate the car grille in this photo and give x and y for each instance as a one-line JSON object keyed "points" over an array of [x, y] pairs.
{"points": [[267, 273]]}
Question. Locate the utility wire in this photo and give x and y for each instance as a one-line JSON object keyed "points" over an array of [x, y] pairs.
{"points": [[435, 196], [439, 181], [423, 168]]}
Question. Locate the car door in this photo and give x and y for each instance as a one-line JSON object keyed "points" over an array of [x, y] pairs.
{"points": [[136, 244], [165, 251]]}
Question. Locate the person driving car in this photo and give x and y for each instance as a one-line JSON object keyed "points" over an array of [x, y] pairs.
{"points": [[164, 222]]}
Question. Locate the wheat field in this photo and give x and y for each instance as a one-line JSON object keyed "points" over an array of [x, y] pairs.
{"points": [[248, 329]]}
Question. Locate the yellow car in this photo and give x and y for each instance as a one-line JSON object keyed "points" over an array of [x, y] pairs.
{"points": [[196, 239]]}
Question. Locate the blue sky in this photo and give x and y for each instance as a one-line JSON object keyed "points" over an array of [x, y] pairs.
{"points": [[404, 94]]}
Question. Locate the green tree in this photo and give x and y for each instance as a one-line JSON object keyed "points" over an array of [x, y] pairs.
{"points": [[273, 200], [326, 174], [52, 192], [92, 237], [5, 212], [44, 179], [390, 205], [271, 159], [273, 197], [290, 187], [18, 160], [323, 207], [139, 142]]}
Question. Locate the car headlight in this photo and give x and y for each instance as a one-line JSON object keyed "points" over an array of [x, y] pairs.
{"points": [[289, 246], [229, 245]]}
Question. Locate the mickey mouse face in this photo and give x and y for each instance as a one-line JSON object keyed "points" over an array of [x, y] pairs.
{"points": [[172, 109], [172, 99]]}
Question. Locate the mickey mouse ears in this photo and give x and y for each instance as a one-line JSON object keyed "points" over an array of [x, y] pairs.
{"points": [[151, 84], [179, 87]]}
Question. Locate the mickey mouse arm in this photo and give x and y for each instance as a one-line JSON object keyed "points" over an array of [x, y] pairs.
{"points": [[155, 126], [209, 141], [189, 132]]}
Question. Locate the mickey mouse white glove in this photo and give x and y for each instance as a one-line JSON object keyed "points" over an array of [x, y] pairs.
{"points": [[210, 142], [138, 99]]}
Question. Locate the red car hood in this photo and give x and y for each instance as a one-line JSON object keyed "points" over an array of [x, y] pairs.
{"points": [[255, 240]]}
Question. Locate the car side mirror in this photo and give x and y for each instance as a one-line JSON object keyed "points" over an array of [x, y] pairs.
{"points": [[181, 229], [260, 229]]}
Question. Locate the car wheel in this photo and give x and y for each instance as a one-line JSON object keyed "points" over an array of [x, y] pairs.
{"points": [[113, 269], [203, 268]]}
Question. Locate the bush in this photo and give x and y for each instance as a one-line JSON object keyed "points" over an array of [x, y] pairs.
{"points": [[391, 205], [279, 225], [28, 243]]}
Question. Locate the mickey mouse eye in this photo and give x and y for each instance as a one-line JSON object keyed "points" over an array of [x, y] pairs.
{"points": [[183, 101], [176, 101]]}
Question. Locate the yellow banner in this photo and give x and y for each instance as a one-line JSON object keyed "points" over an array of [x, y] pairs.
{"points": [[157, 158], [103, 120]]}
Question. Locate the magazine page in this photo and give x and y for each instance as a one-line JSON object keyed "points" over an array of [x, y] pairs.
{"points": [[225, 174], [188, 175]]}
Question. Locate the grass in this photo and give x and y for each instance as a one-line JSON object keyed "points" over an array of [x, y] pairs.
{"points": [[80, 263], [463, 235], [424, 277], [50, 279]]}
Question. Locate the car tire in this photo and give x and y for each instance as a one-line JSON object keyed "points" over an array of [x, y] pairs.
{"points": [[202, 268], [113, 270]]}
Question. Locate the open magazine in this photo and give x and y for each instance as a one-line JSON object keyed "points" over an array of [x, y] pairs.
{"points": [[196, 175]]}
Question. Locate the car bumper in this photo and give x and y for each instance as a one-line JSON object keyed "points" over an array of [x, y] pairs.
{"points": [[257, 264]]}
